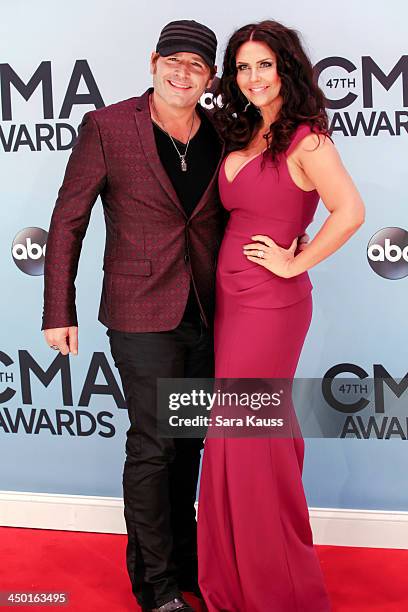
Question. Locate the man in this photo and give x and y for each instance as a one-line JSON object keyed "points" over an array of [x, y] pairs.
{"points": [[154, 161]]}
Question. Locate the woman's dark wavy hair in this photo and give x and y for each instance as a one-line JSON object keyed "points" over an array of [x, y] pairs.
{"points": [[302, 100]]}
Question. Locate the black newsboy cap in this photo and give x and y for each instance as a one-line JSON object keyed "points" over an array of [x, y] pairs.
{"points": [[189, 36]]}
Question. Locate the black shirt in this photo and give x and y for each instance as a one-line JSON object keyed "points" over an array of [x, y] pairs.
{"points": [[202, 159]]}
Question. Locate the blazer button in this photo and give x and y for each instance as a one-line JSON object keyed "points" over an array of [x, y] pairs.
{"points": [[186, 257]]}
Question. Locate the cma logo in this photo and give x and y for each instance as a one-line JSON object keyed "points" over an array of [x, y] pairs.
{"points": [[387, 253], [28, 250], [381, 379], [339, 393], [60, 368], [42, 77], [99, 380], [370, 70]]}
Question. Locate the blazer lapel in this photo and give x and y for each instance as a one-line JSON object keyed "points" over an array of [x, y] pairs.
{"points": [[146, 134]]}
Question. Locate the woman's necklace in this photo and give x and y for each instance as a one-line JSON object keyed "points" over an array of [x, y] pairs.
{"points": [[182, 157]]}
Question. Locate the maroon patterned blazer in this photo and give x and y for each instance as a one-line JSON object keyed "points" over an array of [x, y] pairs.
{"points": [[151, 245]]}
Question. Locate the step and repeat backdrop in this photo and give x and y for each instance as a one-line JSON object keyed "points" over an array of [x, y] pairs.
{"points": [[63, 421]]}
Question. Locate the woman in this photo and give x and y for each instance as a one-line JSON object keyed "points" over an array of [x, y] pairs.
{"points": [[255, 543]]}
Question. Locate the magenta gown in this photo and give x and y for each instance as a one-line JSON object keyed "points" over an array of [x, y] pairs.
{"points": [[255, 543]]}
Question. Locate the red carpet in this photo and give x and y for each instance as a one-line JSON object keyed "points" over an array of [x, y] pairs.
{"points": [[90, 567]]}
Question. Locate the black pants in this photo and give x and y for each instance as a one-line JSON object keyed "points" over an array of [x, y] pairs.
{"points": [[160, 474]]}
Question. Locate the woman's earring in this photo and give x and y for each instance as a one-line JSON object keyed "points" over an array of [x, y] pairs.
{"points": [[247, 106]]}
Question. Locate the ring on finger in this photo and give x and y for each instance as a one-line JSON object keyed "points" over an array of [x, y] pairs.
{"points": [[261, 254]]}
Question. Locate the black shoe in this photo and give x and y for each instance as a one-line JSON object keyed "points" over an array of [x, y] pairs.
{"points": [[177, 603]]}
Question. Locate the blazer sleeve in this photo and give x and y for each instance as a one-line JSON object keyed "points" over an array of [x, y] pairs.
{"points": [[84, 179]]}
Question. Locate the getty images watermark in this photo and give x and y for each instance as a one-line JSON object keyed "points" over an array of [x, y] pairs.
{"points": [[221, 403], [227, 407], [207, 400], [334, 406]]}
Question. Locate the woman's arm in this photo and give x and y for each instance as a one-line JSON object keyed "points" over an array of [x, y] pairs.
{"points": [[323, 167]]}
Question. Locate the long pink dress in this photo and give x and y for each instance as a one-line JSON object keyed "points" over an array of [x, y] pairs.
{"points": [[255, 544]]}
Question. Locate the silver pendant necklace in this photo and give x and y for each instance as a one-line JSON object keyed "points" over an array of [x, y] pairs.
{"points": [[182, 156]]}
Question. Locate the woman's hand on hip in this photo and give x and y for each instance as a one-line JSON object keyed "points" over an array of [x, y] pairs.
{"points": [[265, 252]]}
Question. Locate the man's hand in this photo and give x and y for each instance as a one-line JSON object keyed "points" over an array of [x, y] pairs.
{"points": [[303, 242], [66, 338]]}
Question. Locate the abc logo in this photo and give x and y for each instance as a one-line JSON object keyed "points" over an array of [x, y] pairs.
{"points": [[28, 250], [387, 253], [208, 100]]}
